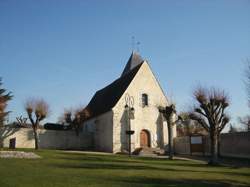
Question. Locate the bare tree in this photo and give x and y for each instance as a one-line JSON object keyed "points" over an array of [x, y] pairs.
{"points": [[210, 113], [37, 110], [66, 116], [187, 126], [22, 122], [75, 118], [246, 119], [170, 114], [233, 128], [247, 79], [246, 122], [4, 98]]}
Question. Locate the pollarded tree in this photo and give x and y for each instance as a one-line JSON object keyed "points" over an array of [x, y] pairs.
{"points": [[4, 98], [37, 110], [210, 113], [170, 114]]}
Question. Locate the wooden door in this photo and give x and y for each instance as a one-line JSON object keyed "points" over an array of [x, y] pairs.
{"points": [[144, 139], [12, 144]]}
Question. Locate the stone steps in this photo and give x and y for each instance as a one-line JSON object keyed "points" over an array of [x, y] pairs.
{"points": [[150, 152]]}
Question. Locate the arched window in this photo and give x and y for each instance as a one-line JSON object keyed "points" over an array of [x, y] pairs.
{"points": [[144, 100]]}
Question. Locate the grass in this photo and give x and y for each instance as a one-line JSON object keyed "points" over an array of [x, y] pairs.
{"points": [[57, 168]]}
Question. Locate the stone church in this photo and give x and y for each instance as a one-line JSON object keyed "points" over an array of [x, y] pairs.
{"points": [[137, 89]]}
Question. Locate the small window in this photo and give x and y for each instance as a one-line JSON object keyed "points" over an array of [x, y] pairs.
{"points": [[144, 100]]}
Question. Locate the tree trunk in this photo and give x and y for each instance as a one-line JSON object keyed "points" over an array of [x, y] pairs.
{"points": [[214, 149], [218, 147], [36, 138], [170, 141], [1, 143]]}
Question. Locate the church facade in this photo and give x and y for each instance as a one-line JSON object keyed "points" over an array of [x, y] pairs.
{"points": [[110, 120]]}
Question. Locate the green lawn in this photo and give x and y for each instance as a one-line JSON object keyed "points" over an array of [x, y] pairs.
{"points": [[58, 168]]}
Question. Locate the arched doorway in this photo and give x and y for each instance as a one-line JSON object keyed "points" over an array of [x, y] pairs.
{"points": [[145, 138]]}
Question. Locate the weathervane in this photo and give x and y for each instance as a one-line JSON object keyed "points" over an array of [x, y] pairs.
{"points": [[135, 44], [138, 45]]}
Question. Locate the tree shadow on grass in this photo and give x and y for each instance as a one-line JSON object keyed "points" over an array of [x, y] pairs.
{"points": [[125, 159], [100, 158], [158, 161], [99, 166], [88, 161], [114, 159], [116, 165], [147, 181]]}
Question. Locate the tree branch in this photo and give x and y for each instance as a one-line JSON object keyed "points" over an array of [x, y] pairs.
{"points": [[200, 120]]}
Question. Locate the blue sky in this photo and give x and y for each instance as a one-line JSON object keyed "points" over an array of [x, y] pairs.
{"points": [[64, 51]]}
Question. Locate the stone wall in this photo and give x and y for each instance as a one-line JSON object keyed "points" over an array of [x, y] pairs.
{"points": [[232, 145], [102, 128], [236, 144], [48, 139]]}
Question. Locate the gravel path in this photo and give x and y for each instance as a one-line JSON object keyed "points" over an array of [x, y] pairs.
{"points": [[18, 154]]}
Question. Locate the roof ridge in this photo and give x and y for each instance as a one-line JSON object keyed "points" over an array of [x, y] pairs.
{"points": [[126, 75]]}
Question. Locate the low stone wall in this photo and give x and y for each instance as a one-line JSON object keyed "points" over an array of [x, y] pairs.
{"points": [[232, 145], [235, 144], [182, 145], [48, 139]]}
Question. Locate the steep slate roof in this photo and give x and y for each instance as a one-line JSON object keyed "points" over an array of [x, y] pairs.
{"points": [[134, 60], [105, 99]]}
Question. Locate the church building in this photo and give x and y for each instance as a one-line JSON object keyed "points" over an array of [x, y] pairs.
{"points": [[126, 112]]}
